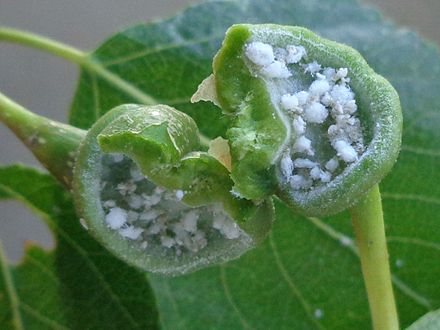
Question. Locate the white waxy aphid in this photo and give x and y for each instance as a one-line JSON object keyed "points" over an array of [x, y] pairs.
{"points": [[131, 232], [345, 151], [116, 218], [345, 240], [260, 53], [117, 158], [226, 226], [327, 100], [312, 67], [341, 94], [318, 313], [295, 54], [135, 201], [200, 239], [319, 87], [276, 69], [350, 107], [132, 216], [302, 97], [83, 223], [299, 125], [189, 221], [179, 194], [154, 229], [333, 131], [151, 200], [167, 241], [286, 165], [219, 221], [316, 113], [136, 174], [325, 176], [315, 173], [109, 204], [289, 102], [304, 163], [337, 109], [329, 73], [149, 215], [303, 144], [231, 230], [332, 164], [126, 188], [280, 54], [299, 182], [341, 73]]}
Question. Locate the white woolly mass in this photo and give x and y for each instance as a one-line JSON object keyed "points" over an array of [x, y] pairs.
{"points": [[276, 69], [131, 232], [295, 54], [189, 221], [287, 165], [260, 53], [299, 125], [303, 144], [312, 67], [316, 113], [328, 100], [116, 218], [289, 101], [299, 182], [319, 87], [315, 173], [341, 94], [302, 97], [345, 151], [332, 164], [304, 163]]}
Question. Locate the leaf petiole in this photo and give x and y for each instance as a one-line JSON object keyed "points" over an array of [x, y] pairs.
{"points": [[54, 144], [368, 225], [32, 40]]}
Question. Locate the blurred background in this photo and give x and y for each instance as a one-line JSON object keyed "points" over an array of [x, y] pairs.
{"points": [[45, 84]]}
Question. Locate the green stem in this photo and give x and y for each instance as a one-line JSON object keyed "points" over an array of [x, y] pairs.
{"points": [[367, 219], [45, 44], [53, 144]]}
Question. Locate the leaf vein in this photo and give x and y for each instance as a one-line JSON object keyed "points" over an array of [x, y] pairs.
{"points": [[228, 295], [160, 49], [293, 288], [36, 314], [402, 286]]}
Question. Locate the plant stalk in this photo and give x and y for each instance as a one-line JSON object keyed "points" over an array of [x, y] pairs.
{"points": [[368, 224], [54, 144], [47, 45]]}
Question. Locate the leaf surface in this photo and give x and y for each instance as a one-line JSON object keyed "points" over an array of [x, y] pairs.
{"points": [[79, 285], [430, 321], [307, 274]]}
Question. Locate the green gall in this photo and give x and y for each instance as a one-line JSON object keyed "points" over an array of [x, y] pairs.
{"points": [[311, 122], [155, 201]]}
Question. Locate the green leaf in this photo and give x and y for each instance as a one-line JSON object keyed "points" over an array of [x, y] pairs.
{"points": [[430, 321], [302, 277], [78, 285]]}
